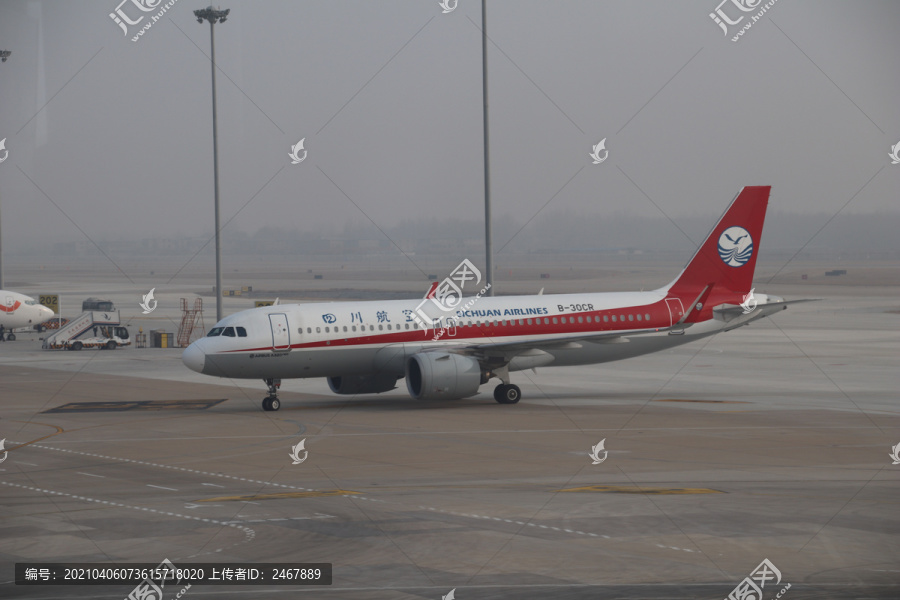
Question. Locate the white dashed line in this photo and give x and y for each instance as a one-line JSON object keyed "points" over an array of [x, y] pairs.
{"points": [[249, 534], [161, 487], [91, 474], [291, 487]]}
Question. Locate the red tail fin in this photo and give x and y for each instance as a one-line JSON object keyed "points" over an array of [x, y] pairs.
{"points": [[727, 258]]}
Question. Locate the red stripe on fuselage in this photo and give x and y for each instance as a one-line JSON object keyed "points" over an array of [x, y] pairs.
{"points": [[659, 318]]}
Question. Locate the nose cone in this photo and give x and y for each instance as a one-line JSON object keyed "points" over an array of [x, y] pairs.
{"points": [[194, 357], [46, 313]]}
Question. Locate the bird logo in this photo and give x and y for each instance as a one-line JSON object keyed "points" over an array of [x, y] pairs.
{"points": [[296, 450], [895, 456], [596, 153], [451, 595], [895, 153], [596, 450], [735, 246], [296, 159], [749, 303], [6, 152], [448, 6], [148, 298], [5, 453]]}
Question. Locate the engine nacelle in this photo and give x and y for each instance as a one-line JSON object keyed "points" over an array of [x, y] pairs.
{"points": [[443, 375], [362, 384]]}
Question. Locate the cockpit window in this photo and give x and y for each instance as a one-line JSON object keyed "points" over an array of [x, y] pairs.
{"points": [[30, 302], [241, 331], [228, 332], [216, 331]]}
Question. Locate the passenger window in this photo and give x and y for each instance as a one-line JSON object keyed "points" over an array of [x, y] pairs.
{"points": [[647, 316], [606, 318], [345, 328], [555, 320], [631, 317], [639, 316], [228, 332], [571, 319], [530, 322], [371, 328], [241, 331], [580, 320], [407, 325], [318, 330], [328, 329], [216, 331], [614, 318], [621, 317], [309, 330], [381, 328], [354, 328]]}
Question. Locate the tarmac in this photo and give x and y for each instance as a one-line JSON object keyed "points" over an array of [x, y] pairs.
{"points": [[769, 442]]}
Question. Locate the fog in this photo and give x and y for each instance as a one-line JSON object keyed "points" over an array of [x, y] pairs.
{"points": [[111, 139]]}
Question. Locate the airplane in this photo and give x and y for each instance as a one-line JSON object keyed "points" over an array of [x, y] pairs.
{"points": [[368, 346], [18, 310]]}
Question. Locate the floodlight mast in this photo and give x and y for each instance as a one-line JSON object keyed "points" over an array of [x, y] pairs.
{"points": [[215, 16], [4, 54]]}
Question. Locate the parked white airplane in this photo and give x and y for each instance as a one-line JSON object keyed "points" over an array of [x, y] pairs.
{"points": [[366, 347], [19, 310]]}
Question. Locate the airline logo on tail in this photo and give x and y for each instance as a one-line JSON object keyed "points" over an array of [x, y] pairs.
{"points": [[735, 246]]}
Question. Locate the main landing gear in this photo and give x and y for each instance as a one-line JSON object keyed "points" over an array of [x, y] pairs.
{"points": [[271, 402], [507, 393]]}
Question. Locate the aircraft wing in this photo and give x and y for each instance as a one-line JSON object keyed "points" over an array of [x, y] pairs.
{"points": [[509, 350]]}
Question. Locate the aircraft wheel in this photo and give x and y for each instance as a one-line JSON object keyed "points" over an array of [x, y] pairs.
{"points": [[11, 337], [271, 403], [507, 394]]}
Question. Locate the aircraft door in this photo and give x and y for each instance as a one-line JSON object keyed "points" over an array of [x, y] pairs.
{"points": [[676, 310], [281, 333], [10, 305]]}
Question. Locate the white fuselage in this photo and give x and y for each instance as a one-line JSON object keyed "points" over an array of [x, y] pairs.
{"points": [[363, 338], [19, 310]]}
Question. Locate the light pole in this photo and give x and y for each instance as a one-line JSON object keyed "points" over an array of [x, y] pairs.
{"points": [[215, 16], [488, 227], [4, 54]]}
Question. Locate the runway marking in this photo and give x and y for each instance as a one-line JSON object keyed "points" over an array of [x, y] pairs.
{"points": [[91, 474], [313, 494], [527, 524], [674, 548], [213, 485], [161, 487], [58, 429], [352, 495], [623, 489], [21, 462], [134, 405], [701, 401], [249, 534]]}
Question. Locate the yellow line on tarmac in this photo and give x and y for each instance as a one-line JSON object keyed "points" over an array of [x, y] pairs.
{"points": [[59, 430], [313, 494], [623, 489]]}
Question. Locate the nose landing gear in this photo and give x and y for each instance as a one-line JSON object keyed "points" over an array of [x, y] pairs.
{"points": [[271, 402]]}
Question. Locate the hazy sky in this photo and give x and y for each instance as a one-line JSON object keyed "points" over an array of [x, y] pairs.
{"points": [[387, 94]]}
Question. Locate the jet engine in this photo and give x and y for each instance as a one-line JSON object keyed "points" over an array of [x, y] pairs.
{"points": [[362, 384], [443, 375]]}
